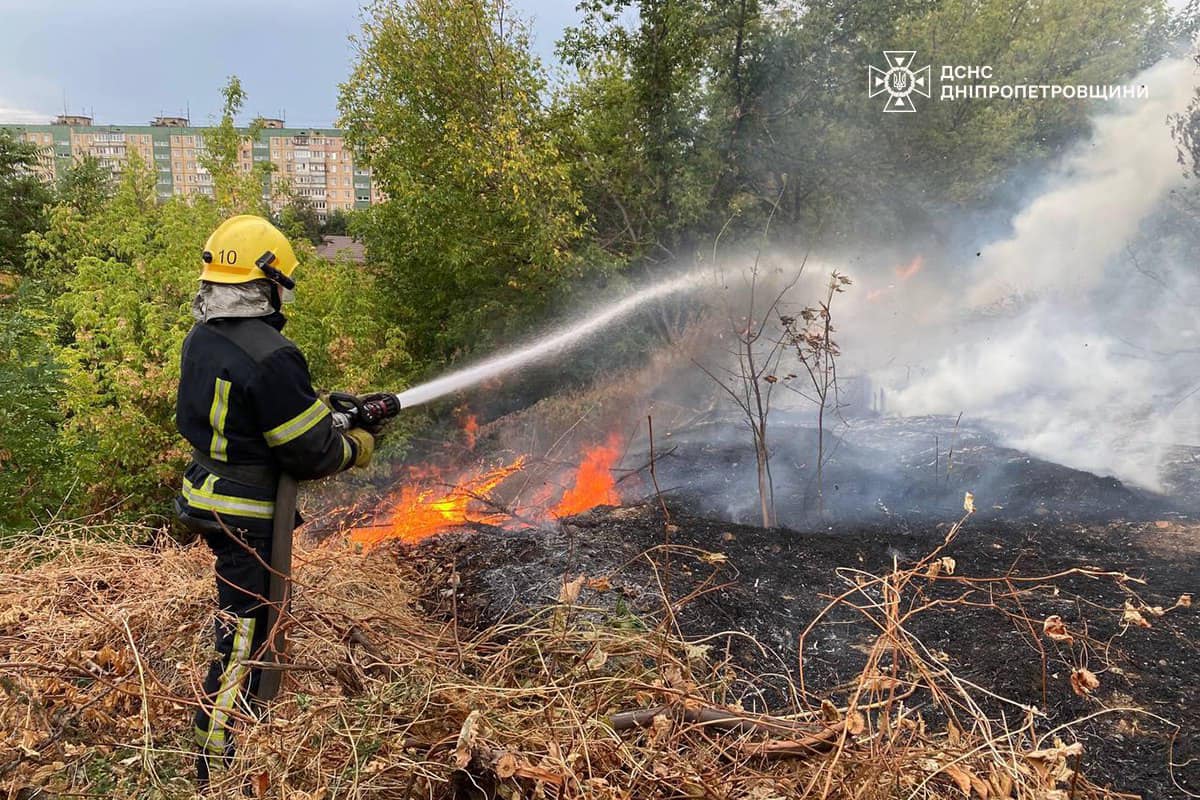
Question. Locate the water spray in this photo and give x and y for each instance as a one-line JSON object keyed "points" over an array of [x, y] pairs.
{"points": [[381, 407]]}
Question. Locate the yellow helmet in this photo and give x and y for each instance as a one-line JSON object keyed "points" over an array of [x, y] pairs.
{"points": [[248, 248]]}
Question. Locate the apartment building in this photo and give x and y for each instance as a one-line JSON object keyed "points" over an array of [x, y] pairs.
{"points": [[314, 161]]}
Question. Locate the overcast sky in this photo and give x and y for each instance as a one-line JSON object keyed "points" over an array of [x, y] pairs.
{"points": [[130, 60], [127, 61]]}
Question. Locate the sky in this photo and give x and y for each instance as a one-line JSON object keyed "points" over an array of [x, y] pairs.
{"points": [[127, 61]]}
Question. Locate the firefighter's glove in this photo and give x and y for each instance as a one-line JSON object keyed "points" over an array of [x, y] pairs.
{"points": [[364, 446]]}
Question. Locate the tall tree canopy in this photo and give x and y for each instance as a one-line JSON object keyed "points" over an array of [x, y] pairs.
{"points": [[23, 195], [445, 106]]}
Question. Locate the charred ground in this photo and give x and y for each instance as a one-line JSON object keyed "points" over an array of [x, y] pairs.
{"points": [[1045, 540], [766, 586], [1036, 549]]}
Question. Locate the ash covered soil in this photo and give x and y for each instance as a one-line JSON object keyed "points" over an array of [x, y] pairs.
{"points": [[749, 592], [893, 489]]}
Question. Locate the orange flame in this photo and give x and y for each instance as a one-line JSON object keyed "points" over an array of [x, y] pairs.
{"points": [[594, 483], [903, 273], [422, 511], [471, 431], [911, 269], [428, 504]]}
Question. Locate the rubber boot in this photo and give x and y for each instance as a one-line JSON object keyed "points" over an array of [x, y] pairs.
{"points": [[202, 772], [204, 765]]}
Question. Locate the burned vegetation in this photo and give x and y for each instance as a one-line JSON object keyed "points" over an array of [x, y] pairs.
{"points": [[1057, 615], [543, 609], [578, 598]]}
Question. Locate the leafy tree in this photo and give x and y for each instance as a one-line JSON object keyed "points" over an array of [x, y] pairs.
{"points": [[736, 105], [740, 31], [639, 121], [126, 305], [965, 147], [340, 323], [802, 137], [33, 474], [298, 218], [23, 195], [1185, 128], [444, 106], [337, 223], [238, 182], [84, 185]]}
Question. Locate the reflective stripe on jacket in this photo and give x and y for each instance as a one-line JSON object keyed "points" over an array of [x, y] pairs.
{"points": [[246, 399]]}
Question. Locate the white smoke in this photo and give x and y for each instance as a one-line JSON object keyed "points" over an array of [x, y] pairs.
{"points": [[1105, 188], [1051, 337]]}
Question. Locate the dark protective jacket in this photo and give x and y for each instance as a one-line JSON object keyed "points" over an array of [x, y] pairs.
{"points": [[247, 406]]}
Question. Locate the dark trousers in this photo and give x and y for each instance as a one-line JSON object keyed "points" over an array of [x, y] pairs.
{"points": [[242, 586]]}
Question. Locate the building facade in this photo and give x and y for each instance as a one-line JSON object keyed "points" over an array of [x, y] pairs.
{"points": [[315, 162]]}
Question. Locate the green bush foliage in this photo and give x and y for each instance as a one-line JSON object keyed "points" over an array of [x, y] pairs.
{"points": [[32, 477], [89, 352]]}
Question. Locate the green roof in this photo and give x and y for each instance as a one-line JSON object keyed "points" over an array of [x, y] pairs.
{"points": [[169, 131]]}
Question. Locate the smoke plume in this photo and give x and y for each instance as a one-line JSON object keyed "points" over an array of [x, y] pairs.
{"points": [[1072, 333]]}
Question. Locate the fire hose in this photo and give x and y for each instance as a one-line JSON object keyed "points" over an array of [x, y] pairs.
{"points": [[349, 411]]}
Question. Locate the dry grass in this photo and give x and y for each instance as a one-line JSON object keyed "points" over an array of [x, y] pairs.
{"points": [[102, 646]]}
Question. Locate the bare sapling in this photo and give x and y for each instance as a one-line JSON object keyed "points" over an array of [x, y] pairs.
{"points": [[810, 336], [756, 354]]}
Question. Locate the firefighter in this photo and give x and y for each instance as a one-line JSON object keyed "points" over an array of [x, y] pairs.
{"points": [[247, 407]]}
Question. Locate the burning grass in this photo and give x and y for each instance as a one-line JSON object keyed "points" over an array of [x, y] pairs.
{"points": [[102, 643], [433, 500], [427, 505]]}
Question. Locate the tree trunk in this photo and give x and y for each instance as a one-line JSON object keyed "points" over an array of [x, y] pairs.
{"points": [[821, 456], [761, 455]]}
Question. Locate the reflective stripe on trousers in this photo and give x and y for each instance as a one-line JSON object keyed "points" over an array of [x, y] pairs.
{"points": [[214, 739]]}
